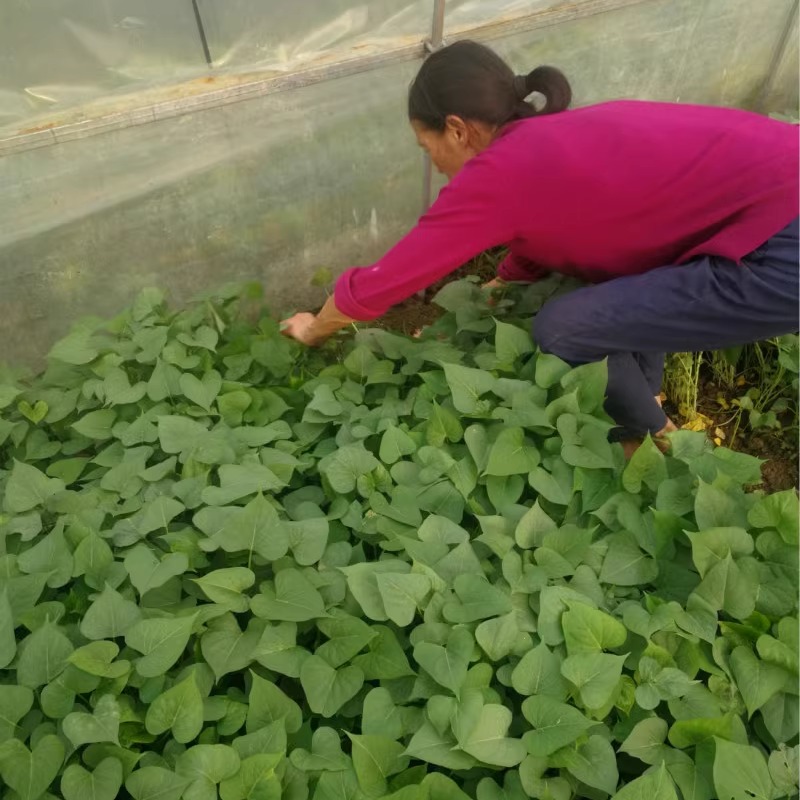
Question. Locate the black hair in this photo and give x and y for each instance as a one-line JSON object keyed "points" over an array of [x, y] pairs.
{"points": [[471, 81]]}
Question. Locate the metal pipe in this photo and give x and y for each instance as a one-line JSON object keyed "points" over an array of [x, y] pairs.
{"points": [[780, 51], [45, 135], [437, 26]]}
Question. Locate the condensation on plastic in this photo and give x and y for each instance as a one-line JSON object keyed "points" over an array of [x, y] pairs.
{"points": [[284, 36], [268, 189], [59, 54], [717, 52]]}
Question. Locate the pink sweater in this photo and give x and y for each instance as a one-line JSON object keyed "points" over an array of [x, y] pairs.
{"points": [[598, 192]]}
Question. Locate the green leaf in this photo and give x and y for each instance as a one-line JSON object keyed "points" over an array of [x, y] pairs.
{"points": [[202, 391], [588, 630], [237, 481], [75, 349], [593, 763], [757, 681], [595, 675], [227, 648], [726, 588], [385, 659], [30, 772], [467, 386], [487, 740], [779, 511], [28, 488], [647, 467], [443, 426], [477, 599], [96, 424], [511, 454], [550, 370], [555, 725], [741, 772], [539, 673], [326, 753], [103, 783], [346, 465], [110, 615], [225, 587], [8, 640], [268, 704], [402, 595], [328, 689], [511, 342], [376, 758], [710, 547], [294, 599], [647, 740], [626, 565], [97, 658], [715, 508], [380, 716], [447, 665], [155, 783], [395, 443], [255, 530], [178, 710], [346, 636], [498, 636], [209, 763], [15, 703], [148, 572], [43, 656], [161, 642], [433, 747], [654, 785], [102, 725], [255, 780]]}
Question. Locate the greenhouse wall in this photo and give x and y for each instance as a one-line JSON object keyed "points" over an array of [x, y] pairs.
{"points": [[193, 143]]}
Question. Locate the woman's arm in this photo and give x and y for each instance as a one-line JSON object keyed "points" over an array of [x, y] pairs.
{"points": [[473, 213]]}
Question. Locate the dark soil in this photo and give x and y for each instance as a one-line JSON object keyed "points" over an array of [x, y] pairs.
{"points": [[778, 449]]}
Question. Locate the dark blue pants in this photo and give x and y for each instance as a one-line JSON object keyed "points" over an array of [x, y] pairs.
{"points": [[708, 304]]}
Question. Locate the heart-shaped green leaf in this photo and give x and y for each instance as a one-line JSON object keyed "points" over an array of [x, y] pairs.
{"points": [[103, 783]]}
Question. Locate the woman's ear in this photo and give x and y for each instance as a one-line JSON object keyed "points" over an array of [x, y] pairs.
{"points": [[457, 128]]}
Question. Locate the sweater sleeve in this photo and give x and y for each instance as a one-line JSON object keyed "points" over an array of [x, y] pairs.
{"points": [[473, 213], [517, 269]]}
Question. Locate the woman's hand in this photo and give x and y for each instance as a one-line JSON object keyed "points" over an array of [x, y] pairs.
{"points": [[496, 283], [303, 328], [314, 329]]}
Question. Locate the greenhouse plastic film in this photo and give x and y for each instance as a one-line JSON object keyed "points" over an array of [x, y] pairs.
{"points": [[59, 54], [270, 189], [717, 52], [274, 34]]}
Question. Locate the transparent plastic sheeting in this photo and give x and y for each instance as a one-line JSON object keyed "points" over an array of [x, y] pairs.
{"points": [[281, 35], [87, 52], [269, 189], [274, 187], [57, 54], [717, 51]]}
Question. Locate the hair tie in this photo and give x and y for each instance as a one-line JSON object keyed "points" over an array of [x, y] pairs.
{"points": [[521, 90]]}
